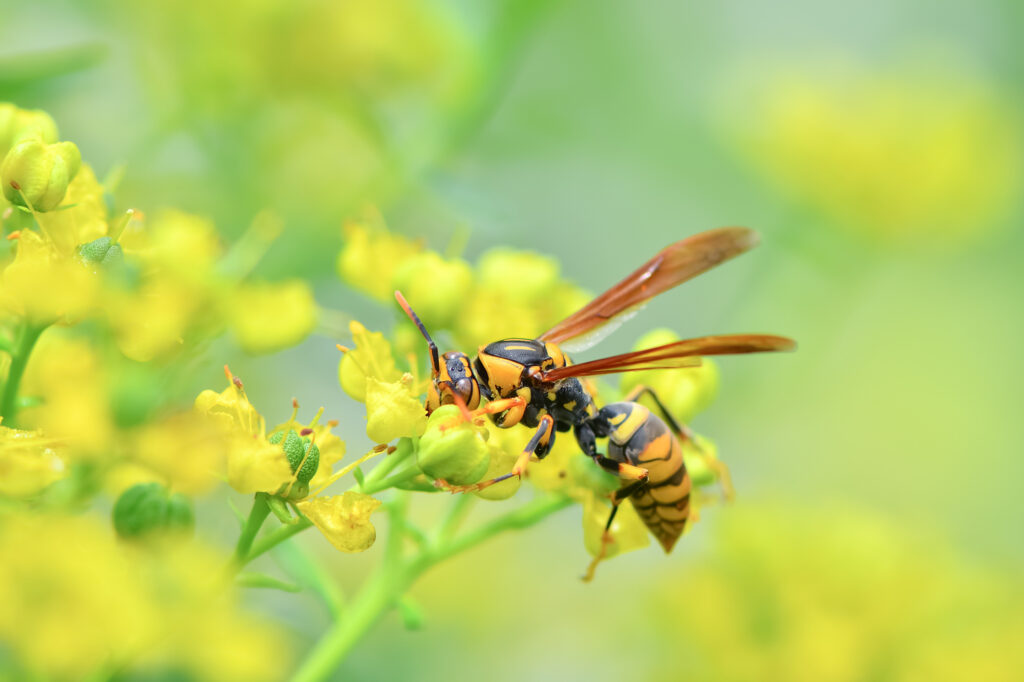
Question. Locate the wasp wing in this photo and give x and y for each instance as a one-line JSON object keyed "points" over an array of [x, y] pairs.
{"points": [[672, 266], [686, 353]]}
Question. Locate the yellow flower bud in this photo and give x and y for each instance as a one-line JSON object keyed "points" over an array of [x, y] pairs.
{"points": [[392, 411], [39, 173], [269, 317], [453, 450], [435, 287], [18, 125], [343, 519], [371, 357]]}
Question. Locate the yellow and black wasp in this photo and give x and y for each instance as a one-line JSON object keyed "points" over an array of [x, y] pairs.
{"points": [[535, 383]]}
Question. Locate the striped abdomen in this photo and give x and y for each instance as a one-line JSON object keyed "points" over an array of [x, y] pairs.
{"points": [[642, 439]]}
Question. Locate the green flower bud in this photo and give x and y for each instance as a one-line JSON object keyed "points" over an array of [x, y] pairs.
{"points": [[295, 449], [147, 509], [40, 173], [458, 453], [102, 251], [18, 125]]}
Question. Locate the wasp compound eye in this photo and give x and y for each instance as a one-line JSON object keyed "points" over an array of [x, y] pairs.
{"points": [[464, 387]]}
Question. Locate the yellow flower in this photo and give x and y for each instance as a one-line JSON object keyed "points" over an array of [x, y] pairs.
{"points": [[183, 449], [807, 594], [436, 288], [267, 317], [69, 376], [370, 358], [392, 411], [44, 286], [253, 463], [912, 153], [124, 607], [152, 320], [370, 258], [344, 519], [28, 462]]}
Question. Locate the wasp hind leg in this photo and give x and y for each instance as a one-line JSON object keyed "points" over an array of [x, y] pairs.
{"points": [[542, 437], [717, 466], [606, 537]]}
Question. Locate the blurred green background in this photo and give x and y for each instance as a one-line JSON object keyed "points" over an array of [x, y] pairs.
{"points": [[879, 149]]}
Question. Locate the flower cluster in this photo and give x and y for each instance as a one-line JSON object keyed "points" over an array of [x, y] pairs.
{"points": [[100, 311]]}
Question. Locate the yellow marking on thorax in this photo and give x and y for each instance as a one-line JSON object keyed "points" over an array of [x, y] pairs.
{"points": [[520, 348]]}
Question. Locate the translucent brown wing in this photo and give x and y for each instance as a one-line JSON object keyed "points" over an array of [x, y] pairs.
{"points": [[672, 266], [679, 354]]}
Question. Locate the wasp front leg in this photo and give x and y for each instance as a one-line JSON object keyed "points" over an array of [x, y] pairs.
{"points": [[541, 440]]}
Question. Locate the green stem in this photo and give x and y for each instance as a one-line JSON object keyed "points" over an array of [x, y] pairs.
{"points": [[276, 537], [387, 586], [27, 338], [260, 510]]}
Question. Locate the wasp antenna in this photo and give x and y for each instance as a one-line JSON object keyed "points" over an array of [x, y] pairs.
{"points": [[435, 362]]}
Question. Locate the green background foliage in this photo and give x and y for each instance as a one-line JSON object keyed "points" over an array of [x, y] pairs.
{"points": [[876, 146]]}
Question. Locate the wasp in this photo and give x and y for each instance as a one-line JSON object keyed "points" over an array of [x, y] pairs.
{"points": [[534, 382]]}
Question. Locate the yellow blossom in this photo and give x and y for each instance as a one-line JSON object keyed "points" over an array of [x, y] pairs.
{"points": [[370, 258], [184, 449], [253, 463], [392, 411], [28, 462], [164, 606], [435, 287], [266, 317], [151, 321], [913, 153], [344, 519], [45, 286], [371, 357], [68, 374]]}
